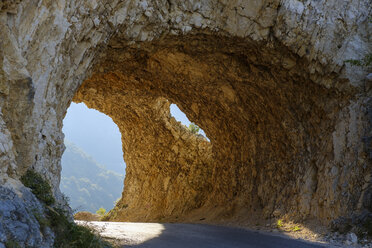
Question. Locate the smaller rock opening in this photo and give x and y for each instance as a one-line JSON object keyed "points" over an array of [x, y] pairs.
{"points": [[180, 116], [92, 165]]}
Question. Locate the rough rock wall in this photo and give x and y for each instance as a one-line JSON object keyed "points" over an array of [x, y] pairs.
{"points": [[274, 148], [280, 106], [168, 167]]}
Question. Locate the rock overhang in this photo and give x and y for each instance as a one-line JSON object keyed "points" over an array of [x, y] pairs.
{"points": [[270, 125]]}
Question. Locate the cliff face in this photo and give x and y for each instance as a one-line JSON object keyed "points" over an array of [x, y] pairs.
{"points": [[289, 122]]}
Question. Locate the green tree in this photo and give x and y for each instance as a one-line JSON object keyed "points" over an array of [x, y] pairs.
{"points": [[194, 128], [101, 211]]}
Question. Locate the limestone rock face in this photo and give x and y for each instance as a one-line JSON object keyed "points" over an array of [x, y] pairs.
{"points": [[289, 122], [19, 211]]}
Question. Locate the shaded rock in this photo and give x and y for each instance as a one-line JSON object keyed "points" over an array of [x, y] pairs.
{"points": [[353, 238], [360, 223], [369, 77], [18, 222]]}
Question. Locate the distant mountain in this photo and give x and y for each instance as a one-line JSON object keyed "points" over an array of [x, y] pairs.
{"points": [[88, 184], [96, 134]]}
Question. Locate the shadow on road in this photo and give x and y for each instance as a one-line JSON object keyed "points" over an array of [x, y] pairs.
{"points": [[206, 236]]}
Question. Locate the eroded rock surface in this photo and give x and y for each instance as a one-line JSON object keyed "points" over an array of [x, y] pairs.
{"points": [[273, 149], [20, 213], [289, 122]]}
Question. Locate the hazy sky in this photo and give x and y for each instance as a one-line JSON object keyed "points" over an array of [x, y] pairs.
{"points": [[98, 135]]}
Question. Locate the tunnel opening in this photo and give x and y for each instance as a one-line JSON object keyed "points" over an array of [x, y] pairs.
{"points": [[182, 118], [93, 169]]}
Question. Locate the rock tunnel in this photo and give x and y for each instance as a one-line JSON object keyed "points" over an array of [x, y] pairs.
{"points": [[288, 120], [270, 128]]}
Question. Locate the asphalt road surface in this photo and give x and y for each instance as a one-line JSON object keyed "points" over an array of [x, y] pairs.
{"points": [[154, 235]]}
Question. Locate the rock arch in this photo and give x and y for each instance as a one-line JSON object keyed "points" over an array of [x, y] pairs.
{"points": [[266, 81], [270, 127]]}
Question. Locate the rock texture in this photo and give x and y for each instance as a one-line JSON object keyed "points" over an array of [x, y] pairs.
{"points": [[19, 211], [273, 147], [289, 122], [86, 216]]}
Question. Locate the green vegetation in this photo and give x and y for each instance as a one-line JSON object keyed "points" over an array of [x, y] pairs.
{"points": [[12, 244], [101, 211], [68, 234], [194, 128], [279, 223], [71, 235], [39, 186], [296, 228], [43, 222], [88, 184], [366, 61], [117, 200]]}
